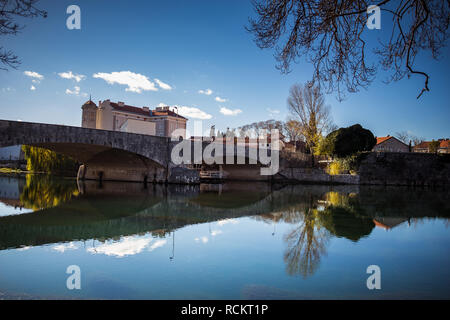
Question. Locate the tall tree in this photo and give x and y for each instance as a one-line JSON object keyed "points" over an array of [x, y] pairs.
{"points": [[307, 105], [332, 36], [293, 130], [10, 10]]}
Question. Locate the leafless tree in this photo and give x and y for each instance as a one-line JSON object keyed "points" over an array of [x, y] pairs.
{"points": [[307, 105], [330, 35], [261, 127], [406, 137], [9, 11], [293, 130], [403, 136]]}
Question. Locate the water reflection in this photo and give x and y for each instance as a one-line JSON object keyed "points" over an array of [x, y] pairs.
{"points": [[124, 219]]}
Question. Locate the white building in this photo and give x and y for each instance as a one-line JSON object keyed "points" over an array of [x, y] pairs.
{"points": [[121, 117]]}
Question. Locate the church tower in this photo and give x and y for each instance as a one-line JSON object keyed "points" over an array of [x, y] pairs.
{"points": [[89, 117]]}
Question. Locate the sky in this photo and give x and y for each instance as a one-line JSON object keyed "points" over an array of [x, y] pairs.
{"points": [[198, 56]]}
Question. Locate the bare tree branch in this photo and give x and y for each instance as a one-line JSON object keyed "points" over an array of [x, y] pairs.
{"points": [[330, 35], [9, 11]]}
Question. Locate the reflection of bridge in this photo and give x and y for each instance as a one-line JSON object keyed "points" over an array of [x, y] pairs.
{"points": [[113, 155], [103, 214], [118, 209]]}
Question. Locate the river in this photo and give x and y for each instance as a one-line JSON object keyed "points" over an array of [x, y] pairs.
{"points": [[221, 241]]}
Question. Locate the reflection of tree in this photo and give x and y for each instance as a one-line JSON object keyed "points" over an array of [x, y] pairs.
{"points": [[305, 245], [42, 191], [343, 217]]}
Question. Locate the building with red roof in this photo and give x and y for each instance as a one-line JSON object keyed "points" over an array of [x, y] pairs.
{"points": [[390, 144], [117, 116], [424, 146]]}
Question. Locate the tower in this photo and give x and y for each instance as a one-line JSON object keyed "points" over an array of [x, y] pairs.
{"points": [[89, 115]]}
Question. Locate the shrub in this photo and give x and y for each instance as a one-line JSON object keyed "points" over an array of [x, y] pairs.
{"points": [[345, 142], [342, 165]]}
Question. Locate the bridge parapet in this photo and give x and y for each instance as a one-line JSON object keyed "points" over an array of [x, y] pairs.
{"points": [[82, 143]]}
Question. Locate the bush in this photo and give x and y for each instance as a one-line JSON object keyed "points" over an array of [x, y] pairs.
{"points": [[342, 165], [345, 142]]}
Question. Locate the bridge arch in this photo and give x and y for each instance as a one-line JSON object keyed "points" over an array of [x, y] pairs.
{"points": [[108, 155]]}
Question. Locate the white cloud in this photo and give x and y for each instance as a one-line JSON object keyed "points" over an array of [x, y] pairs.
{"points": [[226, 221], [163, 85], [32, 88], [190, 112], [273, 111], [125, 247], [229, 112], [208, 92], [63, 247], [157, 244], [70, 75], [219, 99], [33, 74], [216, 232], [202, 239], [75, 91], [136, 82]]}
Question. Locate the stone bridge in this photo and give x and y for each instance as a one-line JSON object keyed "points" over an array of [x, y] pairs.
{"points": [[114, 155]]}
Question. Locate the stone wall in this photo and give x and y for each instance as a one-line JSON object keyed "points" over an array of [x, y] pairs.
{"points": [[398, 168], [314, 176]]}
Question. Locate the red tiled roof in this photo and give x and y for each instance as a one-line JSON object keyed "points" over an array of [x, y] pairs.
{"points": [[127, 108], [423, 145], [382, 139], [166, 113], [445, 144], [131, 109]]}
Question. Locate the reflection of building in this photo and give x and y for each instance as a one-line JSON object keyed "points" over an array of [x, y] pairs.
{"points": [[390, 144], [121, 117], [424, 147], [388, 222]]}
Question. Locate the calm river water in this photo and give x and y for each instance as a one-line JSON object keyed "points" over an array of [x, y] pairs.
{"points": [[230, 241]]}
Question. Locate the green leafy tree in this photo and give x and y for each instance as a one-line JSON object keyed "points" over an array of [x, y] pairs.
{"points": [[345, 142]]}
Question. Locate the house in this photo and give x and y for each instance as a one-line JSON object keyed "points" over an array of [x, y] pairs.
{"points": [[424, 147], [390, 144], [296, 146], [121, 117]]}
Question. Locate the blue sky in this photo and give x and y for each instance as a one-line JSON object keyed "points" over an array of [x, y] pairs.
{"points": [[191, 46]]}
